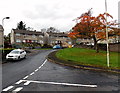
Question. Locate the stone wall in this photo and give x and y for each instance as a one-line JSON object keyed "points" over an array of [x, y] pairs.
{"points": [[112, 47]]}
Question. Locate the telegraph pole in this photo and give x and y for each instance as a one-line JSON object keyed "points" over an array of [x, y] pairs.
{"points": [[108, 59]]}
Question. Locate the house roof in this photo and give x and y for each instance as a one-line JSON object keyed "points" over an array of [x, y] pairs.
{"points": [[57, 34], [27, 32], [40, 33]]}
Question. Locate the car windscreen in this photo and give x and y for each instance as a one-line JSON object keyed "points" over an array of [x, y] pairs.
{"points": [[15, 52]]}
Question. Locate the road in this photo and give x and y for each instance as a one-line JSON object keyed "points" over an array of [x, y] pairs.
{"points": [[36, 73]]}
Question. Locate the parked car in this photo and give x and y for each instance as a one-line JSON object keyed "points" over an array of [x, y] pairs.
{"points": [[16, 54], [57, 47]]}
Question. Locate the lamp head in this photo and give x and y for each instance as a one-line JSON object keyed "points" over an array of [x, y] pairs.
{"points": [[7, 17]]}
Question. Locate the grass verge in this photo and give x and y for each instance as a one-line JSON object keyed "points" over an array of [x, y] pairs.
{"points": [[82, 56]]}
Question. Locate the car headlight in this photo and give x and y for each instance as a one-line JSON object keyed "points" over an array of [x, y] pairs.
{"points": [[16, 56]]}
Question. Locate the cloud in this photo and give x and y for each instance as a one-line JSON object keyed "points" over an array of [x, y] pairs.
{"points": [[45, 13], [51, 15], [49, 12]]}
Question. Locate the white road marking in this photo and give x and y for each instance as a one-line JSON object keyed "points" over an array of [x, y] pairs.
{"points": [[39, 67], [20, 81], [56, 83], [17, 89], [26, 77], [8, 88], [43, 64], [27, 83], [32, 73], [36, 70]]}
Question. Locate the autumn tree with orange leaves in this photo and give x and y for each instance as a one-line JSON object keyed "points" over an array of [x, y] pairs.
{"points": [[92, 27]]}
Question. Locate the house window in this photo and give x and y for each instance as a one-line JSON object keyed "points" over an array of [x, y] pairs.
{"points": [[40, 41], [32, 41], [24, 41], [18, 40], [56, 41], [41, 36], [69, 42], [25, 34], [33, 36], [17, 34]]}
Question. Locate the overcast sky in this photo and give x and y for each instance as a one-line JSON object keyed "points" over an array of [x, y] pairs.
{"points": [[40, 14]]}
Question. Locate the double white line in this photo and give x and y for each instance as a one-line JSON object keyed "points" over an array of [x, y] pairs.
{"points": [[10, 87]]}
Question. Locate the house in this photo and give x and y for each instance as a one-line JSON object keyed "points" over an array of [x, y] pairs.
{"points": [[25, 36], [58, 38], [41, 37], [113, 37], [54, 36], [87, 41], [1, 36]]}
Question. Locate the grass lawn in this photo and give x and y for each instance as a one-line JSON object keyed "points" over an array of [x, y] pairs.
{"points": [[88, 57], [7, 49]]}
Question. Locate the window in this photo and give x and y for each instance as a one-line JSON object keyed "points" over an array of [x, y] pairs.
{"points": [[24, 41], [21, 52], [33, 36], [32, 41], [17, 34], [25, 34], [69, 42], [18, 40], [51, 36], [15, 52], [56, 41], [41, 36], [40, 41]]}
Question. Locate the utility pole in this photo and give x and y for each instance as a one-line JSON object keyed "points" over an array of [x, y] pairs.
{"points": [[108, 59]]}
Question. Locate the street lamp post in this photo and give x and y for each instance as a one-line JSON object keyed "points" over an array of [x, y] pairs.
{"points": [[108, 59], [3, 20], [3, 28]]}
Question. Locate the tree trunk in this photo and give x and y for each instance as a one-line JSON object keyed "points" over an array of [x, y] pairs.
{"points": [[96, 45]]}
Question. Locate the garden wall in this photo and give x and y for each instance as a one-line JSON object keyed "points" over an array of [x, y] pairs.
{"points": [[112, 47]]}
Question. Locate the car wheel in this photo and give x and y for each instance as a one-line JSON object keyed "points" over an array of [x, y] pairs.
{"points": [[19, 58], [25, 56]]}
